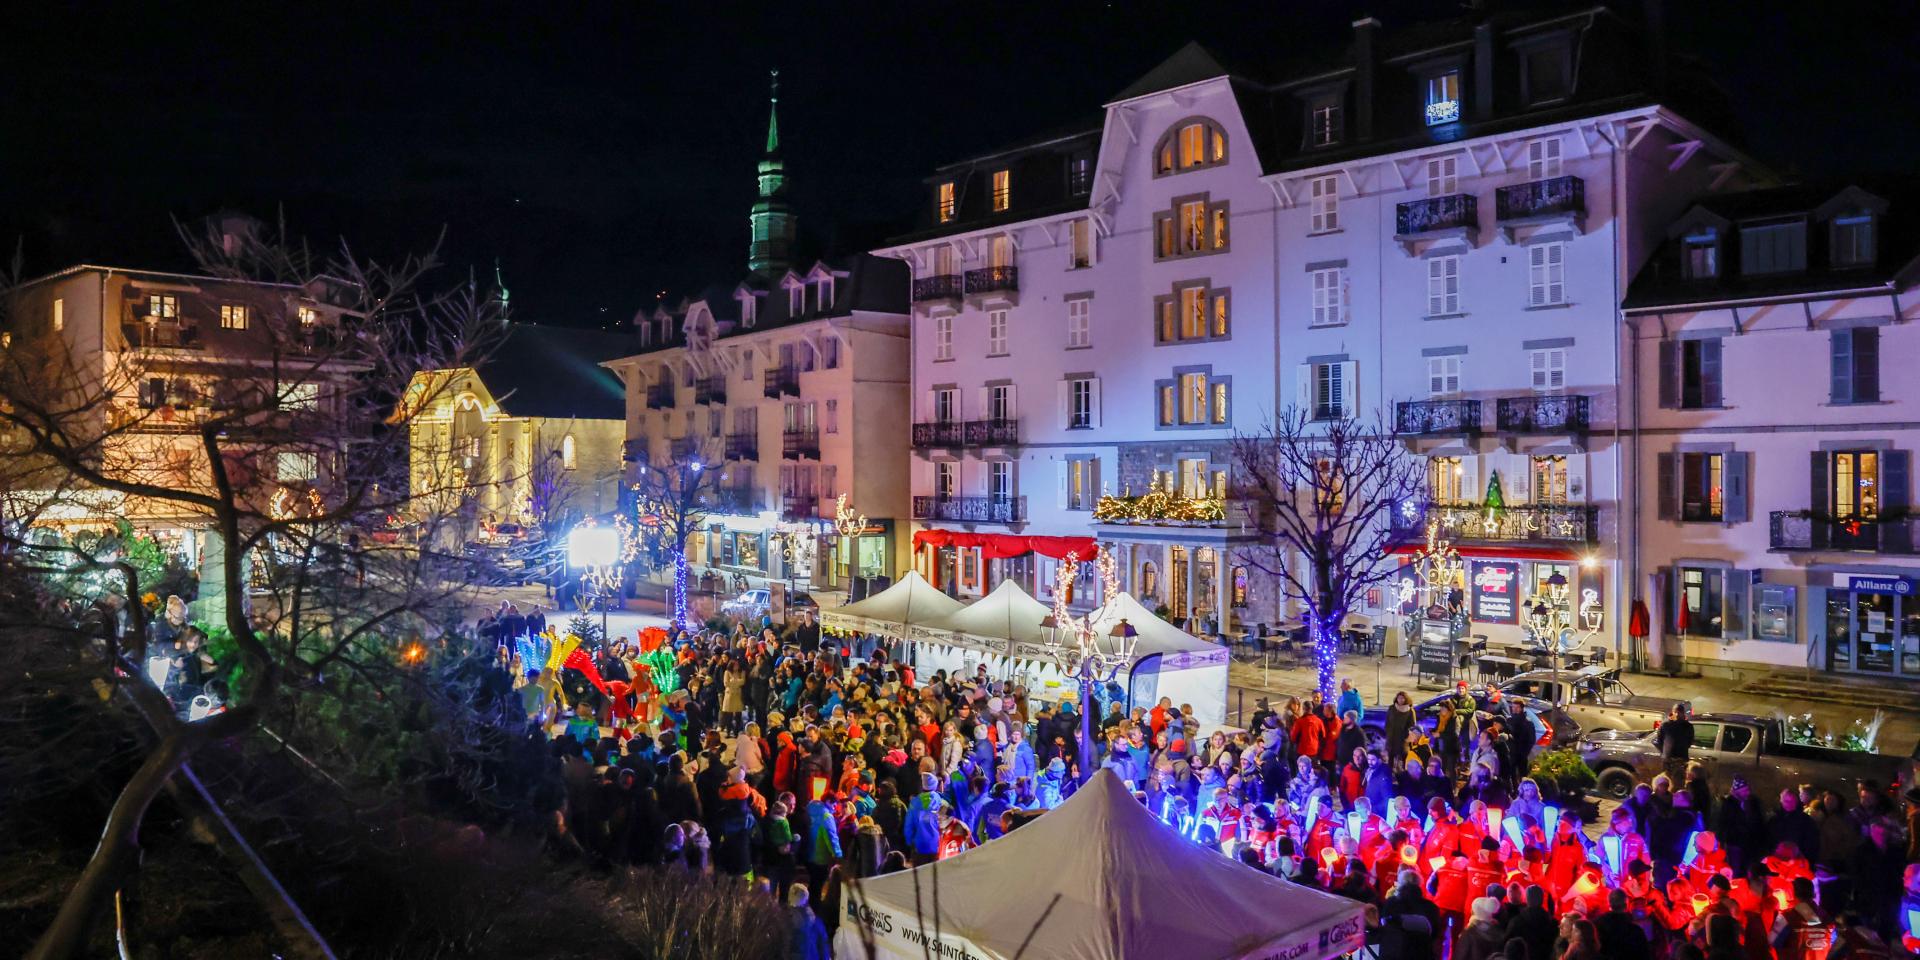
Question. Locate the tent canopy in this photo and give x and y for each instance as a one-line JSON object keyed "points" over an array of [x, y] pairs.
{"points": [[1155, 635], [994, 622], [910, 602], [1098, 878]]}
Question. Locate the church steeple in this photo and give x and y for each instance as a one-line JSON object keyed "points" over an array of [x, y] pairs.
{"points": [[772, 220]]}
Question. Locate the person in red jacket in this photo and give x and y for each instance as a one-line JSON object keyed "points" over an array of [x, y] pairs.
{"points": [[1330, 722], [783, 763], [1566, 855], [1442, 835], [1448, 888], [1308, 733]]}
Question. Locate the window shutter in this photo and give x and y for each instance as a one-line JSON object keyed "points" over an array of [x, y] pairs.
{"points": [[1896, 534], [1735, 601], [1710, 373], [1819, 498], [1094, 400], [1667, 486], [1866, 364], [1303, 389], [1350, 389], [1841, 389], [1063, 393], [1669, 373], [1063, 467], [1736, 501], [1013, 402], [1518, 479], [1470, 489], [983, 410]]}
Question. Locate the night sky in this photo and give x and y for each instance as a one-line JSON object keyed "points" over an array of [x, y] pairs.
{"points": [[603, 152]]}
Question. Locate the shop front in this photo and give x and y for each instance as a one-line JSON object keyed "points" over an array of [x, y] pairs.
{"points": [[865, 555], [970, 565], [1498, 587], [1872, 625]]}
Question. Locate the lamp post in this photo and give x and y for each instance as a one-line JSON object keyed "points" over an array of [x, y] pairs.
{"points": [[1551, 620], [1077, 643], [597, 549], [847, 526]]}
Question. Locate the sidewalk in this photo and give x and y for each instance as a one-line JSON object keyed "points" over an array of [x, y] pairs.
{"points": [[1379, 680]]}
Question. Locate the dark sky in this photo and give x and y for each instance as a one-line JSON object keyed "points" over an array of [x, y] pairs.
{"points": [[604, 151]]}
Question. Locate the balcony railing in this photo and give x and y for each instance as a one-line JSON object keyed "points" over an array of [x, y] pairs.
{"points": [[743, 446], [800, 444], [169, 334], [939, 434], [684, 449], [1436, 418], [1456, 211], [945, 286], [1789, 530], [992, 433], [1540, 198], [734, 501], [1542, 413], [660, 396], [971, 509], [634, 450], [798, 507], [710, 389], [783, 382], [989, 279], [1521, 523]]}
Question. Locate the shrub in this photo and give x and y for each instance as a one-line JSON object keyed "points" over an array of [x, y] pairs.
{"points": [[1562, 771]]}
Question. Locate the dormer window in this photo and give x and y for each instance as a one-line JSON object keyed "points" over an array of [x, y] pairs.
{"points": [[1443, 98], [1002, 190], [1324, 123], [823, 294], [1189, 145], [1700, 255], [1852, 240], [946, 204], [1547, 73], [1079, 175], [796, 300], [747, 304], [1773, 246]]}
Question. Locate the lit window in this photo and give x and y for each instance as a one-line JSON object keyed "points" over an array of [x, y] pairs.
{"points": [[1543, 159], [1549, 480], [307, 316], [1193, 398], [163, 307], [1446, 480], [59, 314], [1443, 376], [1443, 286], [1080, 322], [996, 333], [1323, 125], [1002, 189], [1220, 314], [295, 466], [943, 337], [1080, 244], [1193, 313], [946, 205], [1853, 241], [1325, 194], [1443, 98], [1547, 274], [1329, 308], [1197, 143], [233, 316], [300, 396], [569, 459], [1218, 411]]}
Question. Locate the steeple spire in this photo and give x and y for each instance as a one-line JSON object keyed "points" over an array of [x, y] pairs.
{"points": [[773, 117], [772, 221]]}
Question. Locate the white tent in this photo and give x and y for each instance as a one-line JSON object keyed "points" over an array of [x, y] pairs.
{"points": [[1167, 662], [1099, 878], [911, 601]]}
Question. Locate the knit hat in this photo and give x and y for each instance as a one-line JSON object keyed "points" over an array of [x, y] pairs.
{"points": [[1056, 765], [1485, 909], [929, 782], [737, 775]]}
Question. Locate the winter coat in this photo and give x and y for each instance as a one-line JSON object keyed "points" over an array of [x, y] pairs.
{"points": [[923, 823]]}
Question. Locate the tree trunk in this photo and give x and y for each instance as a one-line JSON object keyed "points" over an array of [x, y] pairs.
{"points": [[1326, 647]]}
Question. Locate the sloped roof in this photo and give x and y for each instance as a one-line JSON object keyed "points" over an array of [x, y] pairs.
{"points": [[1005, 616], [555, 372], [1190, 64], [909, 603]]}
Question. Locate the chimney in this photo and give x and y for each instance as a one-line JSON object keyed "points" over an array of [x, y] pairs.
{"points": [[1656, 27], [1483, 71], [1364, 30]]}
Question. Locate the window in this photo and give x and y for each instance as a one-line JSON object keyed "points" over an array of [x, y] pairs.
{"points": [[1166, 404], [1329, 391], [1690, 373], [716, 421], [1000, 251], [1443, 176], [1700, 255], [1856, 365], [746, 363], [1237, 592], [1079, 243], [823, 294], [830, 353], [833, 416], [1219, 408], [1702, 490], [1079, 322], [1549, 368], [569, 457], [1546, 74], [1190, 144], [1000, 403], [1193, 398], [946, 405], [1856, 485], [1700, 596], [1547, 274], [1193, 311], [163, 307], [1443, 98], [300, 396], [1002, 190], [293, 466], [1550, 480], [1329, 297], [1543, 159], [1000, 479], [1443, 286], [1083, 482], [747, 304], [1080, 392], [59, 314], [996, 333], [1080, 175], [307, 316], [1192, 227], [942, 261], [1852, 243], [1446, 480], [946, 202], [1324, 196], [1443, 376], [1323, 124], [1773, 247], [943, 337], [796, 300]]}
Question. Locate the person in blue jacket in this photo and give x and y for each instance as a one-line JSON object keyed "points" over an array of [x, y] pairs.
{"points": [[923, 821], [1016, 758]]}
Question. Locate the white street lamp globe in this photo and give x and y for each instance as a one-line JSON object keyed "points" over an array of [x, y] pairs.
{"points": [[593, 547]]}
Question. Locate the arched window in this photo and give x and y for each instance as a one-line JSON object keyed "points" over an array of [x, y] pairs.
{"points": [[568, 459], [1190, 144], [1149, 581], [469, 423], [1239, 587]]}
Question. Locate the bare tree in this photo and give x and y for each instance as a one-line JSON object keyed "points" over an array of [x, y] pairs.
{"points": [[1327, 496], [272, 416], [673, 499]]}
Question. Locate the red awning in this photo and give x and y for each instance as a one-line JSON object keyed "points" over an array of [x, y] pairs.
{"points": [[1500, 552], [1000, 546]]}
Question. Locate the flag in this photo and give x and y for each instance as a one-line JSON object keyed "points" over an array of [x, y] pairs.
{"points": [[578, 660]]}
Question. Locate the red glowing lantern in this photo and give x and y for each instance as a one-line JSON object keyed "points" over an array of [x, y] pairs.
{"points": [[1409, 856]]}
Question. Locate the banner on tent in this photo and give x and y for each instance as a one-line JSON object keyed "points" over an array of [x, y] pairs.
{"points": [[1345, 936], [882, 928], [1188, 660]]}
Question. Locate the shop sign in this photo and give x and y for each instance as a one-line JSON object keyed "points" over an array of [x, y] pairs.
{"points": [[1898, 586], [1495, 585]]}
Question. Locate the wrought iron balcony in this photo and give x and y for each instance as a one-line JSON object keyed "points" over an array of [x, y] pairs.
{"points": [[945, 286], [684, 449], [660, 396], [800, 444], [989, 279], [1790, 530], [992, 433], [783, 382], [1540, 198], [1542, 413], [1434, 214], [1520, 523], [971, 509], [743, 446], [734, 501], [634, 450], [711, 390], [799, 507], [1436, 418], [939, 434]]}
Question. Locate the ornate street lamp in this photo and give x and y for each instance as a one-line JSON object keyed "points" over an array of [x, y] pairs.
{"points": [[1078, 646], [847, 527]]}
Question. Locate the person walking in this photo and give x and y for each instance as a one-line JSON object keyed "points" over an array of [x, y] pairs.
{"points": [[1674, 740]]}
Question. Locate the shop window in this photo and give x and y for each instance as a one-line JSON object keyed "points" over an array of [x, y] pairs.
{"points": [[1700, 598], [1550, 480]]}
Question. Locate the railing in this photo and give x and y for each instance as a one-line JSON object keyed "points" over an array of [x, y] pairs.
{"points": [[660, 396], [1542, 413], [634, 450], [1789, 530], [992, 433], [797, 507], [783, 381], [945, 286], [1437, 213], [800, 444], [938, 434], [971, 509], [1429, 418], [1540, 198], [684, 449], [736, 501], [1521, 523], [743, 446], [710, 389], [989, 279], [169, 334]]}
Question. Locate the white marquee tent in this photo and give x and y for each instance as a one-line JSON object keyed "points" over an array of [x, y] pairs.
{"points": [[985, 629], [1099, 878], [1167, 662], [895, 611]]}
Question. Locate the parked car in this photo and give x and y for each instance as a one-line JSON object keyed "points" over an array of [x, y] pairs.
{"points": [[1733, 744], [1556, 728], [749, 605], [1594, 698]]}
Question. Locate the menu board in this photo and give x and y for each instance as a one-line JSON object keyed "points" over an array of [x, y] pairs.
{"points": [[1496, 588]]}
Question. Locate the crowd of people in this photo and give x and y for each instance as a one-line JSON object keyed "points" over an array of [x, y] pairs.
{"points": [[797, 765]]}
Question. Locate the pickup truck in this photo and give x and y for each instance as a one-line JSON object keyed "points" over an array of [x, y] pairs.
{"points": [[1594, 698], [1733, 744]]}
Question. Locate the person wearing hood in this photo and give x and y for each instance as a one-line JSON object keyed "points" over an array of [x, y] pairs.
{"points": [[785, 759], [923, 821], [1050, 784], [740, 808], [987, 820], [822, 846]]}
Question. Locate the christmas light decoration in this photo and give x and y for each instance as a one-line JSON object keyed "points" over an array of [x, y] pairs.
{"points": [[660, 666], [1159, 506], [680, 618]]}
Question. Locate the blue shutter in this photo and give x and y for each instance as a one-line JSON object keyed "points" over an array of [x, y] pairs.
{"points": [[1866, 364], [1710, 373], [1841, 373], [1736, 476], [1896, 534], [1669, 374]]}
